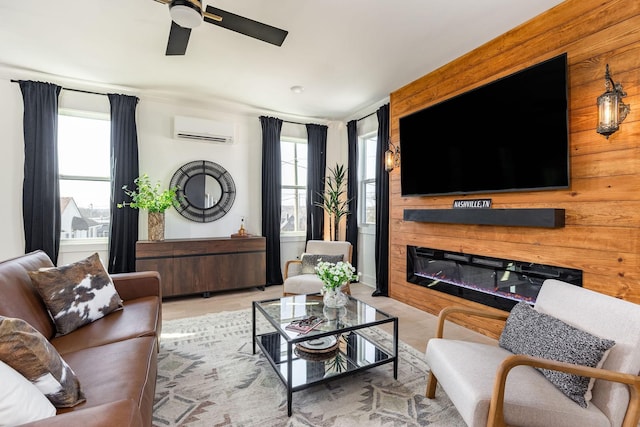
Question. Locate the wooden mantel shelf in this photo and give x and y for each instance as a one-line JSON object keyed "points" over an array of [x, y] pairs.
{"points": [[539, 217]]}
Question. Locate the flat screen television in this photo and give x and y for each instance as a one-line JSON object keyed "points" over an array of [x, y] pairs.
{"points": [[508, 135]]}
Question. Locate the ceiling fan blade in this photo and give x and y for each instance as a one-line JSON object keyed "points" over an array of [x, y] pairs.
{"points": [[247, 26], [178, 39]]}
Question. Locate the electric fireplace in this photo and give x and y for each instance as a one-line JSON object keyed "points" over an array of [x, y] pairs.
{"points": [[496, 282]]}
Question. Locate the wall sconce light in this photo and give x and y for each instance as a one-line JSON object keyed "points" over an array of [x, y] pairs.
{"points": [[611, 110], [392, 157]]}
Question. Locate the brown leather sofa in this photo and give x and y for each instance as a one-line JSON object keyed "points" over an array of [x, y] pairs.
{"points": [[114, 358]]}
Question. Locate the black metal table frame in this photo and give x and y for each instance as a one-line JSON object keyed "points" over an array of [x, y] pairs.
{"points": [[300, 338]]}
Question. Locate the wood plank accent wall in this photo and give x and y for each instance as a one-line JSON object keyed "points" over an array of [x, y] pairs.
{"points": [[603, 203]]}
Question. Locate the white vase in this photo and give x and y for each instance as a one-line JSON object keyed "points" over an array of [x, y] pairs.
{"points": [[334, 314], [334, 298]]}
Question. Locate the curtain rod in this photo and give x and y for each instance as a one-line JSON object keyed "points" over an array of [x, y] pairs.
{"points": [[104, 94], [368, 115], [73, 90], [304, 124]]}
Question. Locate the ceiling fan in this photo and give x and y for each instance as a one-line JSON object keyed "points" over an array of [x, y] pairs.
{"points": [[188, 14]]}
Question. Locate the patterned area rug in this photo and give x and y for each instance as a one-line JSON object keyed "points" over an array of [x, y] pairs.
{"points": [[208, 376]]}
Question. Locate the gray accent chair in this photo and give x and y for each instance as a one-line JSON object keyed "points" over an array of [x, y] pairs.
{"points": [[295, 282], [490, 386]]}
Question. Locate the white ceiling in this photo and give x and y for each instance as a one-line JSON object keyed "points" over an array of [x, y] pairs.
{"points": [[348, 55]]}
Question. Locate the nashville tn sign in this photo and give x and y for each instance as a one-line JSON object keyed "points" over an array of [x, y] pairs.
{"points": [[472, 204]]}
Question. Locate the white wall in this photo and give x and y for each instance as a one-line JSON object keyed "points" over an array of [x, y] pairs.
{"points": [[11, 170], [160, 155]]}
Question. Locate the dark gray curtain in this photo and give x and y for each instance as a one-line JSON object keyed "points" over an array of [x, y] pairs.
{"points": [[316, 171], [271, 196], [40, 188], [352, 189], [123, 232], [382, 205]]}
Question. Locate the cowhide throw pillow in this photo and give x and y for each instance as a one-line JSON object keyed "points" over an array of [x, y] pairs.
{"points": [[76, 294], [309, 261], [27, 351], [530, 332]]}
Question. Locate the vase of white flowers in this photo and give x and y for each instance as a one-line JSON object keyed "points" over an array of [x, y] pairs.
{"points": [[334, 298], [334, 277]]}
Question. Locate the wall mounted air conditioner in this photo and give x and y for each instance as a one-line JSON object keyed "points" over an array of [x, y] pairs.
{"points": [[203, 130]]}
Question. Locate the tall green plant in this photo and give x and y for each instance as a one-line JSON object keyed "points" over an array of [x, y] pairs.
{"points": [[149, 196], [334, 200]]}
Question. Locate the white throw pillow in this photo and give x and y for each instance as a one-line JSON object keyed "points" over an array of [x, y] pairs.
{"points": [[20, 401], [27, 351]]}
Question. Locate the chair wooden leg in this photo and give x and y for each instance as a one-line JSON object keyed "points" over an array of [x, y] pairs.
{"points": [[632, 416], [432, 382]]}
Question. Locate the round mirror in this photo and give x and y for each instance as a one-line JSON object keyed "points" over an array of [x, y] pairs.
{"points": [[203, 191], [206, 191]]}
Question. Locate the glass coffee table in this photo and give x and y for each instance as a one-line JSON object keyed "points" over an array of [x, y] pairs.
{"points": [[344, 343]]}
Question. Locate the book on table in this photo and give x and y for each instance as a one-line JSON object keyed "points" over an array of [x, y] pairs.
{"points": [[305, 324]]}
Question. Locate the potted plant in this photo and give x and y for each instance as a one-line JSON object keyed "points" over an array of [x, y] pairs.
{"points": [[150, 197], [334, 200]]}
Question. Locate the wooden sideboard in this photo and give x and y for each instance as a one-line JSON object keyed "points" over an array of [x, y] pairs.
{"points": [[192, 266]]}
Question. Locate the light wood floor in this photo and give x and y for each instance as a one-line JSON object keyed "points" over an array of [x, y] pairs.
{"points": [[415, 326]]}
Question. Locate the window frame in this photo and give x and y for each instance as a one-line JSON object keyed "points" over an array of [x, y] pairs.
{"points": [[294, 187], [95, 116], [363, 181]]}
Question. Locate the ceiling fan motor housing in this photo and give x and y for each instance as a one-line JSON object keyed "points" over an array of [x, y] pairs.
{"points": [[185, 13]]}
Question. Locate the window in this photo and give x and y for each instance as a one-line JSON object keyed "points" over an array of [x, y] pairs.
{"points": [[85, 179], [367, 178], [294, 186]]}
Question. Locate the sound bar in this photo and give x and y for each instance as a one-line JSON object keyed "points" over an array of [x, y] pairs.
{"points": [[538, 217]]}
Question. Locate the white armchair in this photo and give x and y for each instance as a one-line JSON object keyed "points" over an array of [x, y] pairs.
{"points": [[490, 386], [304, 280]]}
